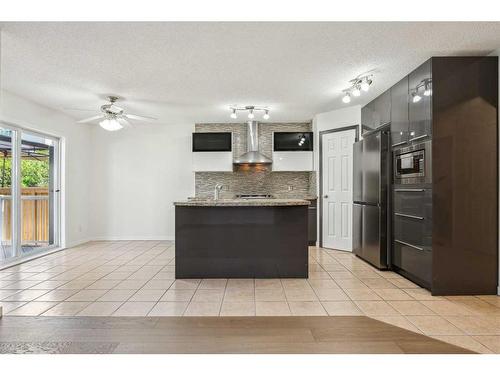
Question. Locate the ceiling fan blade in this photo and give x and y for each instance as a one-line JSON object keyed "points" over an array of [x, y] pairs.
{"points": [[124, 122], [90, 119], [140, 118], [79, 109]]}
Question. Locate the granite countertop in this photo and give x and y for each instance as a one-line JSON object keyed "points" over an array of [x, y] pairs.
{"points": [[242, 202]]}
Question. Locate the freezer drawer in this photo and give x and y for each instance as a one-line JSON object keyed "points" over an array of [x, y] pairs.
{"points": [[371, 241], [357, 228], [415, 262], [415, 201]]}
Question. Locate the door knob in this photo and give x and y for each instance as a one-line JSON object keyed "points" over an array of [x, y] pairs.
{"points": [[326, 196]]}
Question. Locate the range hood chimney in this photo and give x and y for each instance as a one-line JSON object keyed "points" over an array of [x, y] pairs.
{"points": [[252, 156]]}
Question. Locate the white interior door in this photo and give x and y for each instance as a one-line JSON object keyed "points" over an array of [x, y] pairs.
{"points": [[337, 189]]}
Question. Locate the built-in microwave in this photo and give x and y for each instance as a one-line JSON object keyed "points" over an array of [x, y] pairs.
{"points": [[412, 165]]}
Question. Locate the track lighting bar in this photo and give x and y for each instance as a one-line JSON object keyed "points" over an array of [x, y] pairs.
{"points": [[251, 111], [358, 85]]}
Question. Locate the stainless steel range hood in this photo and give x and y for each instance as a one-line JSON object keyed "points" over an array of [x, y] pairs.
{"points": [[252, 156]]}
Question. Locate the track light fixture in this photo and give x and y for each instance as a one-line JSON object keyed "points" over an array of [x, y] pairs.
{"points": [[356, 90], [358, 84], [365, 84], [415, 98], [251, 111], [424, 86], [428, 87]]}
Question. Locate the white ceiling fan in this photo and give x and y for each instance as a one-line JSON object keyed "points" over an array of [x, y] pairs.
{"points": [[113, 117]]}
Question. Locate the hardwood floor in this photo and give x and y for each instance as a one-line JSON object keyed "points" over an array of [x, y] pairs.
{"points": [[343, 334]]}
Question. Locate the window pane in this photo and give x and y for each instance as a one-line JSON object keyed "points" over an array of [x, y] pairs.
{"points": [[37, 176]]}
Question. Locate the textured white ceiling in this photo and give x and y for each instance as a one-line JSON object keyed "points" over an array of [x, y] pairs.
{"points": [[191, 72]]}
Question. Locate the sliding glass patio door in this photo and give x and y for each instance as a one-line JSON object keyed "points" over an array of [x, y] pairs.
{"points": [[29, 192], [7, 250]]}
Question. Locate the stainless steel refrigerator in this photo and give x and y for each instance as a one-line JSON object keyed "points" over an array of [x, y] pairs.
{"points": [[371, 181]]}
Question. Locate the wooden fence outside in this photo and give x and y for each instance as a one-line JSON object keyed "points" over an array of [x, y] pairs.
{"points": [[34, 215]]}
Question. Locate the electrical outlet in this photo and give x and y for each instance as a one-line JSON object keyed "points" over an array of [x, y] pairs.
{"points": [[290, 187]]}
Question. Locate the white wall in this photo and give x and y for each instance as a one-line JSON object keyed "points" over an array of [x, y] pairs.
{"points": [[76, 156], [137, 174], [339, 118], [117, 185]]}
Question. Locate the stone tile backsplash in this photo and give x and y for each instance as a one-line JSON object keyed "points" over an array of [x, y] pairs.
{"points": [[279, 184]]}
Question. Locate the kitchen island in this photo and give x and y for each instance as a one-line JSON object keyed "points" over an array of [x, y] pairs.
{"points": [[241, 238]]}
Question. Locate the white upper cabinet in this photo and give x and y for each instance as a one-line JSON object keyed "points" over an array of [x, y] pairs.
{"points": [[293, 161], [212, 152], [212, 161], [293, 152]]}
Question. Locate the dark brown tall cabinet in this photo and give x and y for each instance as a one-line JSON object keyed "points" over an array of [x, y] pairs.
{"points": [[465, 175], [445, 228]]}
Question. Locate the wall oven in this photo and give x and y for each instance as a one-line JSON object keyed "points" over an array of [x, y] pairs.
{"points": [[412, 165]]}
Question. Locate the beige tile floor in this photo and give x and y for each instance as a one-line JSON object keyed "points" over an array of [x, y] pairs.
{"points": [[136, 278]]}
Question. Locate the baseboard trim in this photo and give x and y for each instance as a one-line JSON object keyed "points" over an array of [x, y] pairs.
{"points": [[134, 238], [77, 243]]}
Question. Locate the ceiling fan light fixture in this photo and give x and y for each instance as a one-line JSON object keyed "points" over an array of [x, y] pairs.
{"points": [[233, 113], [266, 115], [111, 124]]}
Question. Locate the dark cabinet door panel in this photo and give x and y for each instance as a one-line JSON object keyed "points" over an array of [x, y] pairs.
{"points": [[312, 226], [413, 230], [382, 109], [367, 118], [412, 200], [420, 102], [414, 262], [399, 113], [377, 112]]}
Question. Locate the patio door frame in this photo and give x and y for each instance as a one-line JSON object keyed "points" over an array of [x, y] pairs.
{"points": [[55, 207]]}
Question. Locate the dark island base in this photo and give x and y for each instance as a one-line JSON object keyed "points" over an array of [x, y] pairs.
{"points": [[241, 242]]}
